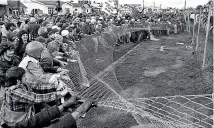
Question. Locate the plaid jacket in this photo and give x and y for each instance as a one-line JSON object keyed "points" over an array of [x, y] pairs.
{"points": [[36, 78], [20, 98]]}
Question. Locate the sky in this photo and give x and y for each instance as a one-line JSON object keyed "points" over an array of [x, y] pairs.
{"points": [[165, 3]]}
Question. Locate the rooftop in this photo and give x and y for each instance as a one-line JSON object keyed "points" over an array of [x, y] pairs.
{"points": [[76, 5], [15, 4], [48, 2]]}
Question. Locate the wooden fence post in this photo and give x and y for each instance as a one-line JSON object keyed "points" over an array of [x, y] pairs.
{"points": [[213, 52], [193, 32], [198, 34], [189, 24], [206, 39], [185, 19]]}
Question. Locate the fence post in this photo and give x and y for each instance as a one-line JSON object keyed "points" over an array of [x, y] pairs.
{"points": [[198, 34], [193, 32], [189, 24], [185, 19], [207, 34], [213, 55]]}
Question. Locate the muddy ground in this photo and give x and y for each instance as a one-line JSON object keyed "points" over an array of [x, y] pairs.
{"points": [[149, 72]]}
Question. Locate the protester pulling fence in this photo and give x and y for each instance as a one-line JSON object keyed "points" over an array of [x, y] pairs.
{"points": [[86, 47]]}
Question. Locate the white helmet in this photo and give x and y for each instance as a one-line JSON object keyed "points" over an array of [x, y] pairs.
{"points": [[55, 27], [65, 33], [93, 21]]}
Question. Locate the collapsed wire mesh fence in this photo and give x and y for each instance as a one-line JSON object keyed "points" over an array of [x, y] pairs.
{"points": [[96, 53]]}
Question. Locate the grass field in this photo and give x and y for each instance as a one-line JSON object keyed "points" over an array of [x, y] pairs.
{"points": [[149, 72]]}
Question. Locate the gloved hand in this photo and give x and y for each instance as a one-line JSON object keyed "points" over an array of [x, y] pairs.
{"points": [[72, 101]]}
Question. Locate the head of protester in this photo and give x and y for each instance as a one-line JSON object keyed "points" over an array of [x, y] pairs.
{"points": [[34, 49], [10, 26], [7, 50], [41, 40], [14, 76], [53, 47], [23, 36]]}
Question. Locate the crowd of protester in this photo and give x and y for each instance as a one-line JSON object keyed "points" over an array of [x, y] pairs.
{"points": [[33, 55]]}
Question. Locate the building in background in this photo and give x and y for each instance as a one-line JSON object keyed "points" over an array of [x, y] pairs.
{"points": [[49, 7], [12, 8], [131, 9], [35, 7], [3, 8], [16, 8]]}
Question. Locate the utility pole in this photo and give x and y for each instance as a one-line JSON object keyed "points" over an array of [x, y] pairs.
{"points": [[154, 5], [18, 5], [185, 5], [160, 6], [117, 7], [143, 7]]}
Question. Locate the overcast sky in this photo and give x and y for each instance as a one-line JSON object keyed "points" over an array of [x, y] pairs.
{"points": [[165, 3]]}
